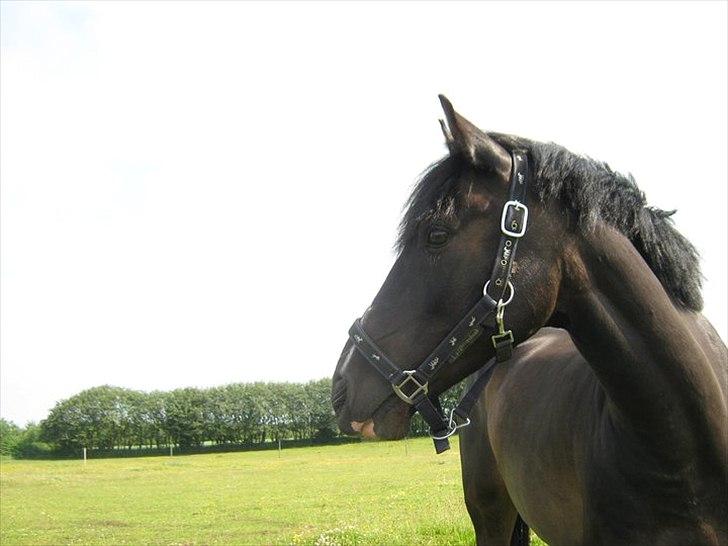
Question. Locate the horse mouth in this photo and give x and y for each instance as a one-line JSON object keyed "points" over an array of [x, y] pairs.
{"points": [[390, 421], [386, 419]]}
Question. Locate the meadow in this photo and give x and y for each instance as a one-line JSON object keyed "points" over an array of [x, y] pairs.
{"points": [[367, 493]]}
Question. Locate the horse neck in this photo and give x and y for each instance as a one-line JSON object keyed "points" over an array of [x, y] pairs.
{"points": [[651, 358]]}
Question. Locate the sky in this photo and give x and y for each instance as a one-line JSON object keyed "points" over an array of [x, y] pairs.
{"points": [[199, 194]]}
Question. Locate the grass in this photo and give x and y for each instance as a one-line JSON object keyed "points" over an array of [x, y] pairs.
{"points": [[369, 493]]}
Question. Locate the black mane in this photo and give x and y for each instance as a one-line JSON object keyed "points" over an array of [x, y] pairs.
{"points": [[590, 190]]}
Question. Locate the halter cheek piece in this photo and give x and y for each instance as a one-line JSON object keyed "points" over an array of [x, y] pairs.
{"points": [[412, 386]]}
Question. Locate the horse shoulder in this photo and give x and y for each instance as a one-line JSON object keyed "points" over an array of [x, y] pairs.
{"points": [[543, 407]]}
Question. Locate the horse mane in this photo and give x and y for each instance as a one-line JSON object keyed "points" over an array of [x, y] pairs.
{"points": [[590, 191]]}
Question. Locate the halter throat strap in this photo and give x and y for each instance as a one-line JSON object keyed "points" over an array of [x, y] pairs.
{"points": [[412, 386]]}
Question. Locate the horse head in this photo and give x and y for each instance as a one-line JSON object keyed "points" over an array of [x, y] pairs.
{"points": [[448, 244]]}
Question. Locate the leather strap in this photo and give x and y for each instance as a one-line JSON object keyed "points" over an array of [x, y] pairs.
{"points": [[412, 386], [513, 220]]}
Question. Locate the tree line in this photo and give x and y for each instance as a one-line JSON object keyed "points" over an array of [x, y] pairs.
{"points": [[113, 418]]}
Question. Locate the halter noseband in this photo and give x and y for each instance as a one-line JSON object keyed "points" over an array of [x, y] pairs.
{"points": [[412, 386]]}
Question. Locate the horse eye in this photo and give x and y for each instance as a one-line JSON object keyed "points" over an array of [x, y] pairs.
{"points": [[437, 237]]}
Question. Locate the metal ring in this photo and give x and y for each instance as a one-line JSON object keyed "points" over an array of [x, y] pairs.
{"points": [[452, 426], [510, 298]]}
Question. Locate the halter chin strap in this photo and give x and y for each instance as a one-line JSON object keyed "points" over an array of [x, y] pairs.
{"points": [[412, 386]]}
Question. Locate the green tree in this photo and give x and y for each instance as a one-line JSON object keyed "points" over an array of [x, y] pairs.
{"points": [[321, 422], [94, 418], [10, 435], [30, 444], [154, 413], [244, 401], [218, 416], [113, 417], [185, 416]]}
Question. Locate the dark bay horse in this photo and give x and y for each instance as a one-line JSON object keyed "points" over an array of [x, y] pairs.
{"points": [[608, 424]]}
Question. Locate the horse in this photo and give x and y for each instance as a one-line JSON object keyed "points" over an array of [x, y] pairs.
{"points": [[608, 423]]}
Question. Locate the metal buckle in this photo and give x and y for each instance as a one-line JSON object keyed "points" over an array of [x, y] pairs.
{"points": [[419, 387], [503, 334], [452, 426], [517, 205], [500, 338]]}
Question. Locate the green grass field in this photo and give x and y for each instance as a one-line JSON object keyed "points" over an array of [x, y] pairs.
{"points": [[369, 493]]}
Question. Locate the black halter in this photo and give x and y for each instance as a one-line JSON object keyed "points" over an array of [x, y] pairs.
{"points": [[412, 386]]}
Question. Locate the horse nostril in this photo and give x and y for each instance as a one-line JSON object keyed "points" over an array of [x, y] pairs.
{"points": [[338, 403], [338, 396]]}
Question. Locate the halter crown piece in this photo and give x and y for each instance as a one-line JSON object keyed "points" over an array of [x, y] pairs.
{"points": [[412, 386]]}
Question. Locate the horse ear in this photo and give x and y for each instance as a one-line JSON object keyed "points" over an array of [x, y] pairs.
{"points": [[448, 135], [465, 138]]}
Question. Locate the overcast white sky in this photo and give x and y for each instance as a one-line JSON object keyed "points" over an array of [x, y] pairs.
{"points": [[196, 194]]}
